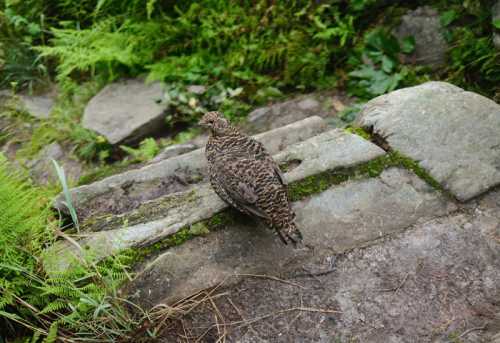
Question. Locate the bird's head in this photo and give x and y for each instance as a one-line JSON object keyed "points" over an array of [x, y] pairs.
{"points": [[215, 122]]}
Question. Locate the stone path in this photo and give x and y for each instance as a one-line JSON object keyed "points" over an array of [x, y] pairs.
{"points": [[435, 282], [386, 256]]}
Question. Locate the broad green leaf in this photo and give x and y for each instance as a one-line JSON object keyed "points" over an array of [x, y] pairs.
{"points": [[408, 45], [448, 17], [387, 64]]}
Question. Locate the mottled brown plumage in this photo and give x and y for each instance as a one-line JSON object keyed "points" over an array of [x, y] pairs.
{"points": [[246, 177]]}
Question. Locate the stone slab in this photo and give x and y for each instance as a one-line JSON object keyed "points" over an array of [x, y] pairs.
{"points": [[123, 192], [453, 134], [125, 111], [343, 217], [323, 104], [39, 106], [434, 283], [164, 216]]}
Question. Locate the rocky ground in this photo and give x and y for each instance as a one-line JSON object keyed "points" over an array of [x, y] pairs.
{"points": [[400, 213], [400, 217]]}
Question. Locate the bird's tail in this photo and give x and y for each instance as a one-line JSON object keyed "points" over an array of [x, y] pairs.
{"points": [[290, 233]]}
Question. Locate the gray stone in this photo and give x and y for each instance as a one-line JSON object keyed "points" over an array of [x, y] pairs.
{"points": [[286, 112], [126, 111], [424, 25], [42, 169], [123, 192], [38, 106], [5, 95], [365, 210], [427, 284], [159, 218], [327, 151], [453, 134], [174, 150], [337, 220]]}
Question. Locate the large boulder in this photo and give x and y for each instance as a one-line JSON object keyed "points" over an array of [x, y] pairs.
{"points": [[126, 111], [453, 134], [438, 281], [424, 25]]}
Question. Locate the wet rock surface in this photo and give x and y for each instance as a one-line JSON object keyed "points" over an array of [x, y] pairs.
{"points": [[453, 134]]}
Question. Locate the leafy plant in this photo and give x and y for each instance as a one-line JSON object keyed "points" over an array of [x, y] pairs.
{"points": [[148, 149], [75, 304], [383, 73]]}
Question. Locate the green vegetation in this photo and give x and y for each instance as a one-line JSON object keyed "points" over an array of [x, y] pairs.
{"points": [[243, 53], [79, 303]]}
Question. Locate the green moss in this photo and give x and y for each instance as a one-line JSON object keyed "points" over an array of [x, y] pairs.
{"points": [[216, 222], [393, 158], [152, 210], [222, 219], [359, 131], [320, 182]]}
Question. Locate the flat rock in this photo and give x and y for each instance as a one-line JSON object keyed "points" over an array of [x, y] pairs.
{"points": [[156, 219], [42, 170], [126, 111], [122, 192], [39, 106], [343, 217], [282, 113], [430, 46], [453, 134], [438, 281]]}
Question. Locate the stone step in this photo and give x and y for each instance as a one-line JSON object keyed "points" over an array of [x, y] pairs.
{"points": [[438, 281], [123, 192], [343, 217], [164, 216], [453, 134]]}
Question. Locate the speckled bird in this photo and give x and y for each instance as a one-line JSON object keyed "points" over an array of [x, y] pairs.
{"points": [[247, 178]]}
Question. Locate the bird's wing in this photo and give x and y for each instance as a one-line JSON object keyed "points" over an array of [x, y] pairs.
{"points": [[257, 150], [233, 178]]}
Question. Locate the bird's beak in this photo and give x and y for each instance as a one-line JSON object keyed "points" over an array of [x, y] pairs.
{"points": [[202, 123]]}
